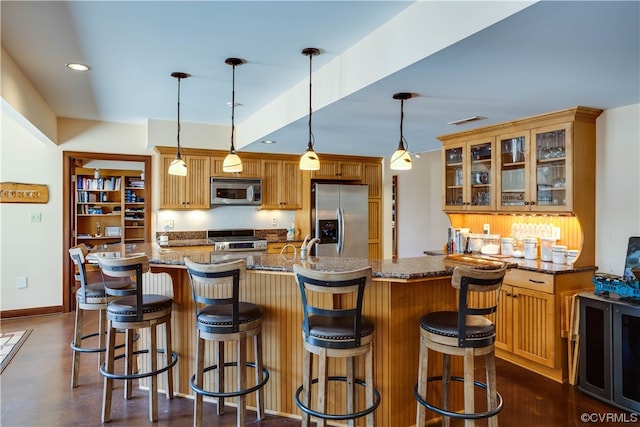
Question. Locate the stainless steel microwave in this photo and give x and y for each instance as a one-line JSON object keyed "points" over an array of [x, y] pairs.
{"points": [[236, 191]]}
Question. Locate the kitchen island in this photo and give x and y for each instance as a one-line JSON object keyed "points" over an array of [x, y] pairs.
{"points": [[401, 292]]}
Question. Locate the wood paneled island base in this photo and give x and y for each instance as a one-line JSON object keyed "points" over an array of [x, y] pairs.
{"points": [[394, 306]]}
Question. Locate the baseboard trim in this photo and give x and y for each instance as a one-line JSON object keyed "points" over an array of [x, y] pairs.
{"points": [[29, 312]]}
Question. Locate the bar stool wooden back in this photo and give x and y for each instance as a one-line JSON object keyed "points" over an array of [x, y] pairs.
{"points": [[220, 316], [335, 329], [467, 333], [131, 313], [90, 297]]}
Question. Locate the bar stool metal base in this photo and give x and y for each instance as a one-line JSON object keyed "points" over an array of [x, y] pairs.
{"points": [[458, 415], [74, 347], [114, 376], [349, 416], [225, 394]]}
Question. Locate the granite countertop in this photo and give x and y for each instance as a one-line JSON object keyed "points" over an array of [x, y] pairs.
{"points": [[529, 265], [400, 269], [414, 268], [185, 242]]}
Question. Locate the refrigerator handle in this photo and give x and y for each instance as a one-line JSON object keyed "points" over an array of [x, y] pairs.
{"points": [[340, 231]]}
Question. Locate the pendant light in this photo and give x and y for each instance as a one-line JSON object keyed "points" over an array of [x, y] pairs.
{"points": [[178, 166], [232, 162], [310, 160], [401, 160]]}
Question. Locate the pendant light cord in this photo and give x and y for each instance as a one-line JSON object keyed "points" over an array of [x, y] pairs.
{"points": [[233, 107], [178, 137], [310, 144], [401, 145]]}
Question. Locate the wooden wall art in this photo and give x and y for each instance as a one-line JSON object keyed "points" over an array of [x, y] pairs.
{"points": [[15, 192]]}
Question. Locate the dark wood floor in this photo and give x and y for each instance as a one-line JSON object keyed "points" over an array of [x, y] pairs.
{"points": [[35, 391]]}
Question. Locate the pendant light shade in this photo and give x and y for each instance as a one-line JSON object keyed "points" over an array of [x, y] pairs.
{"points": [[178, 166], [401, 160], [232, 162], [310, 160]]}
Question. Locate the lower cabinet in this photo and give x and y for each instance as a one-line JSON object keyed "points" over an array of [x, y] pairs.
{"points": [[529, 319], [525, 324], [277, 247]]}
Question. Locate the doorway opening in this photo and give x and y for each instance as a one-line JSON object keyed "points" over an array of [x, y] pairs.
{"points": [[77, 159]]}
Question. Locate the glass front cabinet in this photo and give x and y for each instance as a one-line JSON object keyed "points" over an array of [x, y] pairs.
{"points": [[469, 176], [534, 170], [527, 165]]}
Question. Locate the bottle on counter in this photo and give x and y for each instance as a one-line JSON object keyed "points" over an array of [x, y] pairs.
{"points": [[291, 232]]}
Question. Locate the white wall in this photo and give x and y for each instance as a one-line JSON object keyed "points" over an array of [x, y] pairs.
{"points": [[421, 223], [617, 185], [27, 248]]}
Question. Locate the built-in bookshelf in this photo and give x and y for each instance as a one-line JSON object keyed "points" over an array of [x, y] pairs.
{"points": [[111, 206]]}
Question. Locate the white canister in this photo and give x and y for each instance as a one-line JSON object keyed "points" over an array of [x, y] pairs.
{"points": [[572, 254], [559, 254], [546, 248], [530, 248], [506, 247]]}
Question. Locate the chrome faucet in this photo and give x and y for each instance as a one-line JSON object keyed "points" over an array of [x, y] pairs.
{"points": [[306, 247]]}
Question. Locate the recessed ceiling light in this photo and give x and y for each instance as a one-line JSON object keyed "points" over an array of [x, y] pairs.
{"points": [[268, 141], [75, 66], [467, 120]]}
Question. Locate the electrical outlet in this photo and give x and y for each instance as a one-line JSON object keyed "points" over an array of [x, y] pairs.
{"points": [[21, 282], [168, 223], [36, 217], [274, 222]]}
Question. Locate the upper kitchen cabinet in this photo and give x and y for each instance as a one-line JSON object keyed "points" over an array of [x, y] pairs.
{"points": [[185, 192], [469, 176], [535, 172], [281, 184], [336, 169], [372, 176], [251, 167], [537, 162]]}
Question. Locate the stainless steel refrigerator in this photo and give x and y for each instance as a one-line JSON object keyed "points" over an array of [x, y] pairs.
{"points": [[341, 220]]}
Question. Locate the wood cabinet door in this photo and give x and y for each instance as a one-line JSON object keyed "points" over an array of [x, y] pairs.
{"points": [[198, 183], [552, 171], [534, 326], [290, 185], [185, 192], [454, 175], [328, 170], [350, 170], [372, 176], [504, 319], [251, 168], [172, 187], [270, 185], [515, 168]]}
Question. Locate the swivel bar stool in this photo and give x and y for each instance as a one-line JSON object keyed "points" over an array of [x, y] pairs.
{"points": [[130, 313], [220, 316], [91, 297], [467, 333], [339, 332]]}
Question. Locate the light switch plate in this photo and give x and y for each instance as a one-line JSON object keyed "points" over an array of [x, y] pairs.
{"points": [[21, 282]]}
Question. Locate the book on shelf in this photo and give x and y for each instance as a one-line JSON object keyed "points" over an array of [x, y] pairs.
{"points": [[111, 183]]}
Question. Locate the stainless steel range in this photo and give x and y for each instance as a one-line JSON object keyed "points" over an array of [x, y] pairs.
{"points": [[236, 241]]}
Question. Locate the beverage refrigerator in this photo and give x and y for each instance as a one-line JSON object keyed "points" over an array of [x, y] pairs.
{"points": [[340, 219]]}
